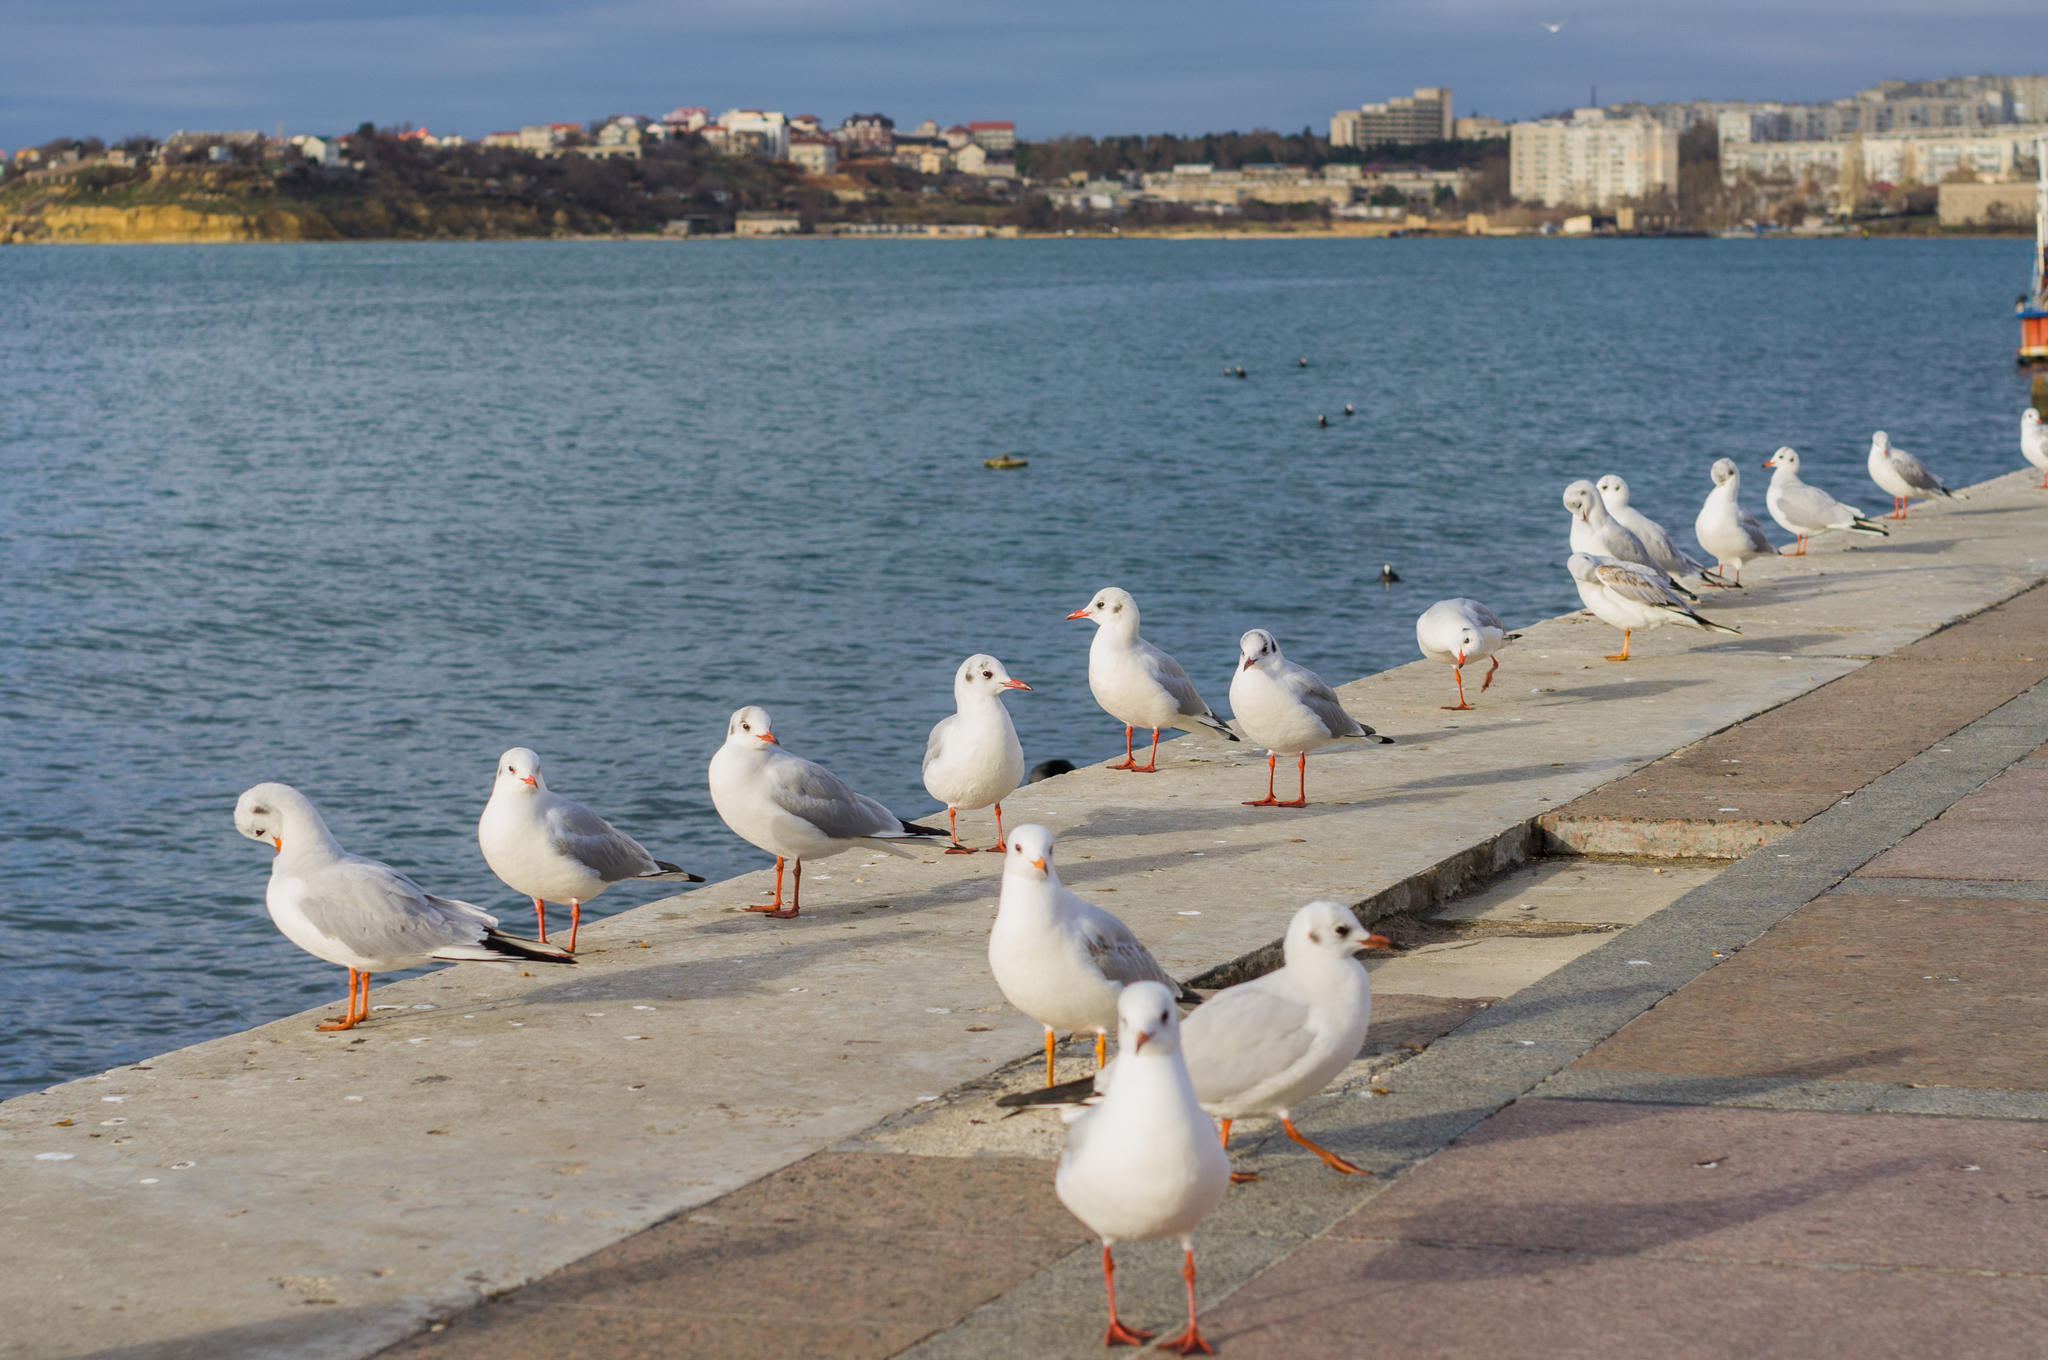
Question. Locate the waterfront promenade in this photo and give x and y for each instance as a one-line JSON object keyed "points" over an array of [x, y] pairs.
{"points": [[1636, 1108]]}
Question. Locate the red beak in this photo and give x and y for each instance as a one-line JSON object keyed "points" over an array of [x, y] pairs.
{"points": [[1138, 1040], [1015, 684], [1249, 662], [1078, 614], [769, 737], [529, 780], [1461, 657]]}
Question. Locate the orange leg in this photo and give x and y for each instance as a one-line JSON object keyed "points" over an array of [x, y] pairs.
{"points": [[1190, 1341], [1623, 655], [1151, 767], [1487, 683], [540, 917], [1101, 1050], [998, 847], [775, 908], [1049, 1042], [1458, 674], [1236, 1177], [348, 1017], [364, 1014], [575, 920], [1130, 761], [1269, 800], [1800, 551], [953, 829], [1301, 797], [1119, 1335], [1898, 507], [1330, 1159]]}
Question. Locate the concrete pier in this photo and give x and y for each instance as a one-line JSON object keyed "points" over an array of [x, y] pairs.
{"points": [[726, 1135]]}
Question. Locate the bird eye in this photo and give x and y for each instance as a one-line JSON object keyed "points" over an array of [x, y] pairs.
{"points": [[1343, 931], [988, 675]]}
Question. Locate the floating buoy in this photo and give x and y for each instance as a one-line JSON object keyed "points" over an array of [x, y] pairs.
{"points": [[1008, 460]]}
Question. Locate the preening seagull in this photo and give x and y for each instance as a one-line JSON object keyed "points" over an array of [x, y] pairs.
{"points": [[796, 810], [2034, 442], [1627, 596], [1135, 682], [1289, 710], [364, 916], [1901, 474], [1061, 960], [1459, 632], [1663, 549], [552, 849], [973, 758], [1724, 528], [1807, 510], [1599, 534]]}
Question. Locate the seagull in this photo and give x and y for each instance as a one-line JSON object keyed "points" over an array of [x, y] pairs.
{"points": [[1135, 682], [1627, 596], [1599, 534], [365, 916], [1901, 474], [795, 810], [1808, 510], [1724, 528], [1264, 1046], [1458, 633], [1142, 1161], [2034, 442], [1058, 959], [546, 847], [1289, 710], [973, 758], [1662, 549]]}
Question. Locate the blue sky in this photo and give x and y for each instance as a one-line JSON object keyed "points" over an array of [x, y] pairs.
{"points": [[114, 67]]}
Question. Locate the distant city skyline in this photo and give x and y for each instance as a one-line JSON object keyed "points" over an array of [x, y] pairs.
{"points": [[111, 68]]}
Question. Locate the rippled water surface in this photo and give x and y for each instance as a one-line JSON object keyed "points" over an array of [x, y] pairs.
{"points": [[360, 517]]}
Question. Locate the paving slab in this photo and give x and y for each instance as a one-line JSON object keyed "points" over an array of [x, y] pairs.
{"points": [[1920, 991], [1574, 889], [1993, 834]]}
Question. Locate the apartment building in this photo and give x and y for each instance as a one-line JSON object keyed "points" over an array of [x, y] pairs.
{"points": [[1594, 159], [1424, 116], [1990, 153]]}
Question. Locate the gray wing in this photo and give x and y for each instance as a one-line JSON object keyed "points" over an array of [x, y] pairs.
{"points": [[937, 744], [1174, 680], [1242, 1036], [1318, 698], [1483, 616], [574, 830], [1808, 504], [1621, 542], [821, 798], [1631, 582], [1914, 472], [1116, 951], [377, 911], [1757, 540]]}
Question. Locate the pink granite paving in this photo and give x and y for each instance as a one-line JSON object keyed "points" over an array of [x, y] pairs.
{"points": [[1994, 833]]}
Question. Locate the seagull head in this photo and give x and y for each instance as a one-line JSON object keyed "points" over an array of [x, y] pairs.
{"points": [[1147, 1021], [1580, 566], [1724, 471], [983, 674], [1328, 930], [1256, 646], [519, 770], [1880, 442], [1580, 498], [278, 813], [1029, 853], [2030, 416], [749, 728], [1110, 605], [1786, 458], [1613, 490]]}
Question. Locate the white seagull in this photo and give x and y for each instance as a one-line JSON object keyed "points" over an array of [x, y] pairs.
{"points": [[1058, 959], [973, 759], [1135, 682], [1724, 528], [1264, 1046], [1807, 510], [551, 849], [2034, 442], [1142, 1161], [1289, 710], [795, 810], [1599, 534], [1901, 474], [1457, 633], [1663, 550], [1627, 596], [364, 916]]}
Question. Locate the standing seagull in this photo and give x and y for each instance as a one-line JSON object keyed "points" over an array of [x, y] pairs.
{"points": [[2034, 442], [795, 810], [551, 849], [973, 758], [1289, 710], [1135, 682], [1142, 1162], [1724, 528], [1458, 633], [1264, 1046], [365, 916], [1626, 596], [1058, 959], [1599, 534], [1663, 550], [1807, 510], [1901, 474]]}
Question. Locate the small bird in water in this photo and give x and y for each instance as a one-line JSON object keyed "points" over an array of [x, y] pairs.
{"points": [[1322, 422], [1348, 411], [1304, 363], [1388, 576], [1240, 370]]}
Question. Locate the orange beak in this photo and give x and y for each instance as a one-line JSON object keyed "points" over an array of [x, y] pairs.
{"points": [[531, 781], [1078, 614], [769, 737], [1138, 1040], [1461, 656], [1039, 865], [278, 841], [1015, 684], [1770, 462], [1377, 942]]}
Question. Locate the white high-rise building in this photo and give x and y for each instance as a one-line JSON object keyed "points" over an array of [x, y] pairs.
{"points": [[1591, 161]]}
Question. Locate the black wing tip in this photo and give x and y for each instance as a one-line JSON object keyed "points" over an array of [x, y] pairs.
{"points": [[678, 871], [926, 831], [518, 946]]}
